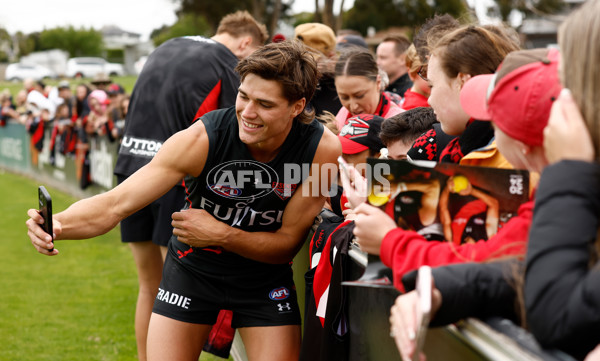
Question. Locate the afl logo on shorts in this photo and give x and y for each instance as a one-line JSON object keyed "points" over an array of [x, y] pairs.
{"points": [[279, 294], [242, 179]]}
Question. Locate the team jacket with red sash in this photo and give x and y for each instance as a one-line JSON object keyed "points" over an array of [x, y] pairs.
{"points": [[183, 79]]}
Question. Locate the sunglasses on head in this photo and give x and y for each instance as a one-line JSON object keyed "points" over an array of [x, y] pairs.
{"points": [[423, 72]]}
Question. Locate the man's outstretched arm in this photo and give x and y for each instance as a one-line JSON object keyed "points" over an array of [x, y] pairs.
{"points": [[185, 152]]}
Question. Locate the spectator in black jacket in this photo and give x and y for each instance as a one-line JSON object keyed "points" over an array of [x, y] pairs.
{"points": [[562, 279], [391, 58]]}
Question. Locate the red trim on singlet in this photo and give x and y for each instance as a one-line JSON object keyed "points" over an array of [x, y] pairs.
{"points": [[187, 193], [210, 103], [389, 209], [217, 250], [462, 217], [71, 141]]}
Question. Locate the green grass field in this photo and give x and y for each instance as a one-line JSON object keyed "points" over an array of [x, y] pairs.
{"points": [[78, 305]]}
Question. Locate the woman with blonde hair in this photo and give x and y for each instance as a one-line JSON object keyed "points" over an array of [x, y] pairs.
{"points": [[417, 95]]}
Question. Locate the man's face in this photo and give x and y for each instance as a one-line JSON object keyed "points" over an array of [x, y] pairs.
{"points": [[264, 115], [65, 93], [397, 150], [389, 61]]}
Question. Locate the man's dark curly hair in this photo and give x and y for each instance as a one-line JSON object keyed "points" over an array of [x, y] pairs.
{"points": [[407, 126], [288, 63]]}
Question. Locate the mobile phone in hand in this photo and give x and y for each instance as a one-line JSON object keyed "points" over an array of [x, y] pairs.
{"points": [[45, 204], [344, 166], [423, 308]]}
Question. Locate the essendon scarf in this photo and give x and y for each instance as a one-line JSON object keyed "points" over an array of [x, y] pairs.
{"points": [[477, 134]]}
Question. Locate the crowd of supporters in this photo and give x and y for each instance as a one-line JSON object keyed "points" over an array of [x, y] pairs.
{"points": [[66, 116]]}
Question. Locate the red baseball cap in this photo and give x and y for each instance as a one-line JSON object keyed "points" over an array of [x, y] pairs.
{"points": [[519, 96], [361, 132]]}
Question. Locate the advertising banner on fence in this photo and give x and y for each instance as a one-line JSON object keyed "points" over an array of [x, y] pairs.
{"points": [[89, 169], [14, 147]]}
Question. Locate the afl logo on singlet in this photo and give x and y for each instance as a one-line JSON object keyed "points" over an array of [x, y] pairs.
{"points": [[279, 294], [225, 191], [241, 179]]}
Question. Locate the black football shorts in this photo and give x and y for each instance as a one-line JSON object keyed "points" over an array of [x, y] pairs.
{"points": [[153, 222], [256, 298]]}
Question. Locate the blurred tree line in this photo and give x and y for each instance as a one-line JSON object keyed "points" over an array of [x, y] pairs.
{"points": [[379, 14], [77, 42], [204, 16], [503, 8], [201, 17]]}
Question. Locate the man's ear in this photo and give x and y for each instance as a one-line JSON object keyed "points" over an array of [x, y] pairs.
{"points": [[403, 59], [244, 42], [299, 106]]}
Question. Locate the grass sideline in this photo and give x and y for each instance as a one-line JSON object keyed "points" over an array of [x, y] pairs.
{"points": [[77, 305]]}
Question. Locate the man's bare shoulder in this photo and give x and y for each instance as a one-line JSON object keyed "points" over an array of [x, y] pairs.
{"points": [[187, 149], [329, 148]]}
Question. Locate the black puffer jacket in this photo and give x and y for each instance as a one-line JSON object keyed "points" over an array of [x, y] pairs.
{"points": [[562, 291], [473, 290]]}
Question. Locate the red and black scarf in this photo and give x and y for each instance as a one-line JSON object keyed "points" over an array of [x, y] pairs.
{"points": [[478, 134]]}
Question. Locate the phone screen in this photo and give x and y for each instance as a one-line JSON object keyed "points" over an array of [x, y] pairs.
{"points": [[423, 308], [45, 207], [344, 166]]}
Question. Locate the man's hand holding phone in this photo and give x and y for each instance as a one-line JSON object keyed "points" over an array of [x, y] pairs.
{"points": [[40, 226]]}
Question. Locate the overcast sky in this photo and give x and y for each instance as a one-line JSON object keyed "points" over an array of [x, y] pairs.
{"points": [[138, 16]]}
